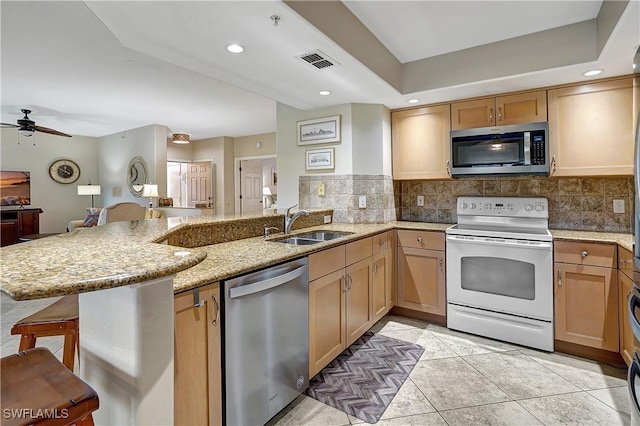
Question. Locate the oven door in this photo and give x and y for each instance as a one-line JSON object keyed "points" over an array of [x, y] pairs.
{"points": [[633, 376], [501, 275]]}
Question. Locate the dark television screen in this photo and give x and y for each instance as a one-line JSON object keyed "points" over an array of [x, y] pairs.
{"points": [[15, 188]]}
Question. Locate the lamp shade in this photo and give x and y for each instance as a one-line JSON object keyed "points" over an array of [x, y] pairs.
{"points": [[266, 190], [149, 190], [88, 189]]}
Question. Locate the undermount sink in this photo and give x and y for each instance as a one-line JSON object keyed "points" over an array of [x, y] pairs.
{"points": [[314, 237]]}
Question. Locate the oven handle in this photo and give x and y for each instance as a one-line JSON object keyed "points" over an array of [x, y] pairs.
{"points": [[634, 370], [499, 242], [634, 302]]}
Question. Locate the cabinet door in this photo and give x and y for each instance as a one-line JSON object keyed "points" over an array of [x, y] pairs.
{"points": [[421, 280], [197, 359], [591, 129], [382, 284], [359, 299], [8, 232], [628, 342], [327, 320], [29, 222], [420, 143], [522, 108], [472, 114], [586, 306]]}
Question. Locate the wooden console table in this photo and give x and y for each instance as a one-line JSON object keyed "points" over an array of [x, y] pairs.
{"points": [[16, 223]]}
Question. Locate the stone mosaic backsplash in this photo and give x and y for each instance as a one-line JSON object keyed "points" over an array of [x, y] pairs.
{"points": [[341, 193], [574, 203]]}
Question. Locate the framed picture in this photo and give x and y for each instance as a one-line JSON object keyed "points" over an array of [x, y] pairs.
{"points": [[319, 159], [274, 177], [320, 130]]}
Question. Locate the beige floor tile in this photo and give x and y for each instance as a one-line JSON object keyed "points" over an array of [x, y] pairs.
{"points": [[469, 344], [396, 322], [452, 383], [431, 419], [577, 409], [616, 398], [583, 373], [309, 412], [434, 348], [501, 414]]}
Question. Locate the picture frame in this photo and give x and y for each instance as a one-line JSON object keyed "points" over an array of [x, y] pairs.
{"points": [[319, 130], [320, 159]]}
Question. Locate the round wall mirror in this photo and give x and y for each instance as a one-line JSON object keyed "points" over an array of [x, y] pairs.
{"points": [[136, 175]]}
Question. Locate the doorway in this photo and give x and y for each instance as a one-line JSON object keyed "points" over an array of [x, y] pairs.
{"points": [[256, 184], [190, 184]]}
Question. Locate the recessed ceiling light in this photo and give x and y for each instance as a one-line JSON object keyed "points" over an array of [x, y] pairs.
{"points": [[591, 73], [235, 48], [413, 101], [324, 92]]}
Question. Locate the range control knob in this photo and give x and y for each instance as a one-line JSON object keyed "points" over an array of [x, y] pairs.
{"points": [[539, 207], [528, 207], [464, 205]]}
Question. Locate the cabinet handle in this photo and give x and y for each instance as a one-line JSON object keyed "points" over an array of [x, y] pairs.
{"points": [[624, 262], [349, 282], [491, 114], [584, 254], [559, 277], [381, 242], [216, 318], [553, 164], [375, 269], [196, 299], [440, 263], [419, 239], [448, 168], [500, 114], [344, 284]]}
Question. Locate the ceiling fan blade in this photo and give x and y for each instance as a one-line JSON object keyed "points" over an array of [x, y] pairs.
{"points": [[8, 125], [50, 131]]}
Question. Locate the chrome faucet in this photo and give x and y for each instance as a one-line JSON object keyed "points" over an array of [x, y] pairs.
{"points": [[288, 221]]}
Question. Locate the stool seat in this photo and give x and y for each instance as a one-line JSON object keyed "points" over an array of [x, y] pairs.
{"points": [[59, 318], [36, 388]]}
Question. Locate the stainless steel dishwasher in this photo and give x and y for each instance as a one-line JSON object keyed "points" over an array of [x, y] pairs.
{"points": [[266, 342]]}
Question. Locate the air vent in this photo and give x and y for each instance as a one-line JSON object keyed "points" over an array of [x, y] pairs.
{"points": [[318, 60]]}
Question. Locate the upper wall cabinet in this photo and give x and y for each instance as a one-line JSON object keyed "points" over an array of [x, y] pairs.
{"points": [[420, 140], [500, 111], [591, 129]]}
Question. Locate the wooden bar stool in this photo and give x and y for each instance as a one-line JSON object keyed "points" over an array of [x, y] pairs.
{"points": [[58, 319], [36, 388]]}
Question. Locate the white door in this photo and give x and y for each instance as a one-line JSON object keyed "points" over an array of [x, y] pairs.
{"points": [[199, 184], [251, 186]]}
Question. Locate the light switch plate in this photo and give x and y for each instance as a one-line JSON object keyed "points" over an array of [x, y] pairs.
{"points": [[321, 190], [362, 202], [618, 206], [420, 200]]}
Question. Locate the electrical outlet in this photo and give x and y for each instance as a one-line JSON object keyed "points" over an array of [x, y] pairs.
{"points": [[618, 206], [327, 218], [321, 190], [420, 200], [362, 201]]}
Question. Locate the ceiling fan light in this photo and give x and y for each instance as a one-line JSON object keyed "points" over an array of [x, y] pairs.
{"points": [[180, 138], [25, 131]]}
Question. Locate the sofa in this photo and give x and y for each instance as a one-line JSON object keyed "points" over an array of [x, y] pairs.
{"points": [[114, 213]]}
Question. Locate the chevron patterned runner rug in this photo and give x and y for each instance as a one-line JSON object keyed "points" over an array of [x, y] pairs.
{"points": [[364, 378]]}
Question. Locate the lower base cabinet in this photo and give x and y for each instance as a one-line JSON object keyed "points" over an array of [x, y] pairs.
{"points": [[382, 275], [197, 358]]}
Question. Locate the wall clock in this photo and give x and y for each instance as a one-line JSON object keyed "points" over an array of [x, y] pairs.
{"points": [[64, 171]]}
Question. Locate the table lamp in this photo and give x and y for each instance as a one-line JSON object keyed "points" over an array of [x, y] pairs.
{"points": [[89, 190], [151, 191]]}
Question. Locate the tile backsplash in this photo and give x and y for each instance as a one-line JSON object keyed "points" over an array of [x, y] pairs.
{"points": [[574, 203]]}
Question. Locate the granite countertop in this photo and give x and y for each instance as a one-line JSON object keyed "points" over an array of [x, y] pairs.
{"points": [[124, 253]]}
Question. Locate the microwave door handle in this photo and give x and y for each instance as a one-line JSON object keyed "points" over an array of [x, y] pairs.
{"points": [[527, 148]]}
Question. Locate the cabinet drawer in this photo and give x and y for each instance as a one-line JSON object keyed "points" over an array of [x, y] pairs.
{"points": [[358, 250], [421, 239], [381, 242], [625, 261], [583, 253], [326, 261]]}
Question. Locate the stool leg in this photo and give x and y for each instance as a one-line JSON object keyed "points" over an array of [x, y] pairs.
{"points": [[27, 341], [69, 354]]}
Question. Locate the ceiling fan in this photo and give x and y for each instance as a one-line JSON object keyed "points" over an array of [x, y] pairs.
{"points": [[26, 126]]}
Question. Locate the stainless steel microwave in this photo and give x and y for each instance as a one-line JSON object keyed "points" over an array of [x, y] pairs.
{"points": [[502, 150]]}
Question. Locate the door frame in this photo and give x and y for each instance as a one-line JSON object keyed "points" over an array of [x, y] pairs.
{"points": [[236, 175]]}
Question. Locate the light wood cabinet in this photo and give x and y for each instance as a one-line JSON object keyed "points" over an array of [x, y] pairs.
{"points": [[340, 300], [591, 129], [501, 111], [197, 358], [628, 342], [382, 275], [586, 295], [420, 143], [421, 269]]}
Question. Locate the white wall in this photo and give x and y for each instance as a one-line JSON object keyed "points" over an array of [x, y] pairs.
{"points": [[245, 146], [115, 152], [59, 202], [180, 153], [371, 139]]}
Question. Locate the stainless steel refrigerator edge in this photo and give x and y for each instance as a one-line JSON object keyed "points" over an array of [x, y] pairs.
{"points": [[266, 342]]}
